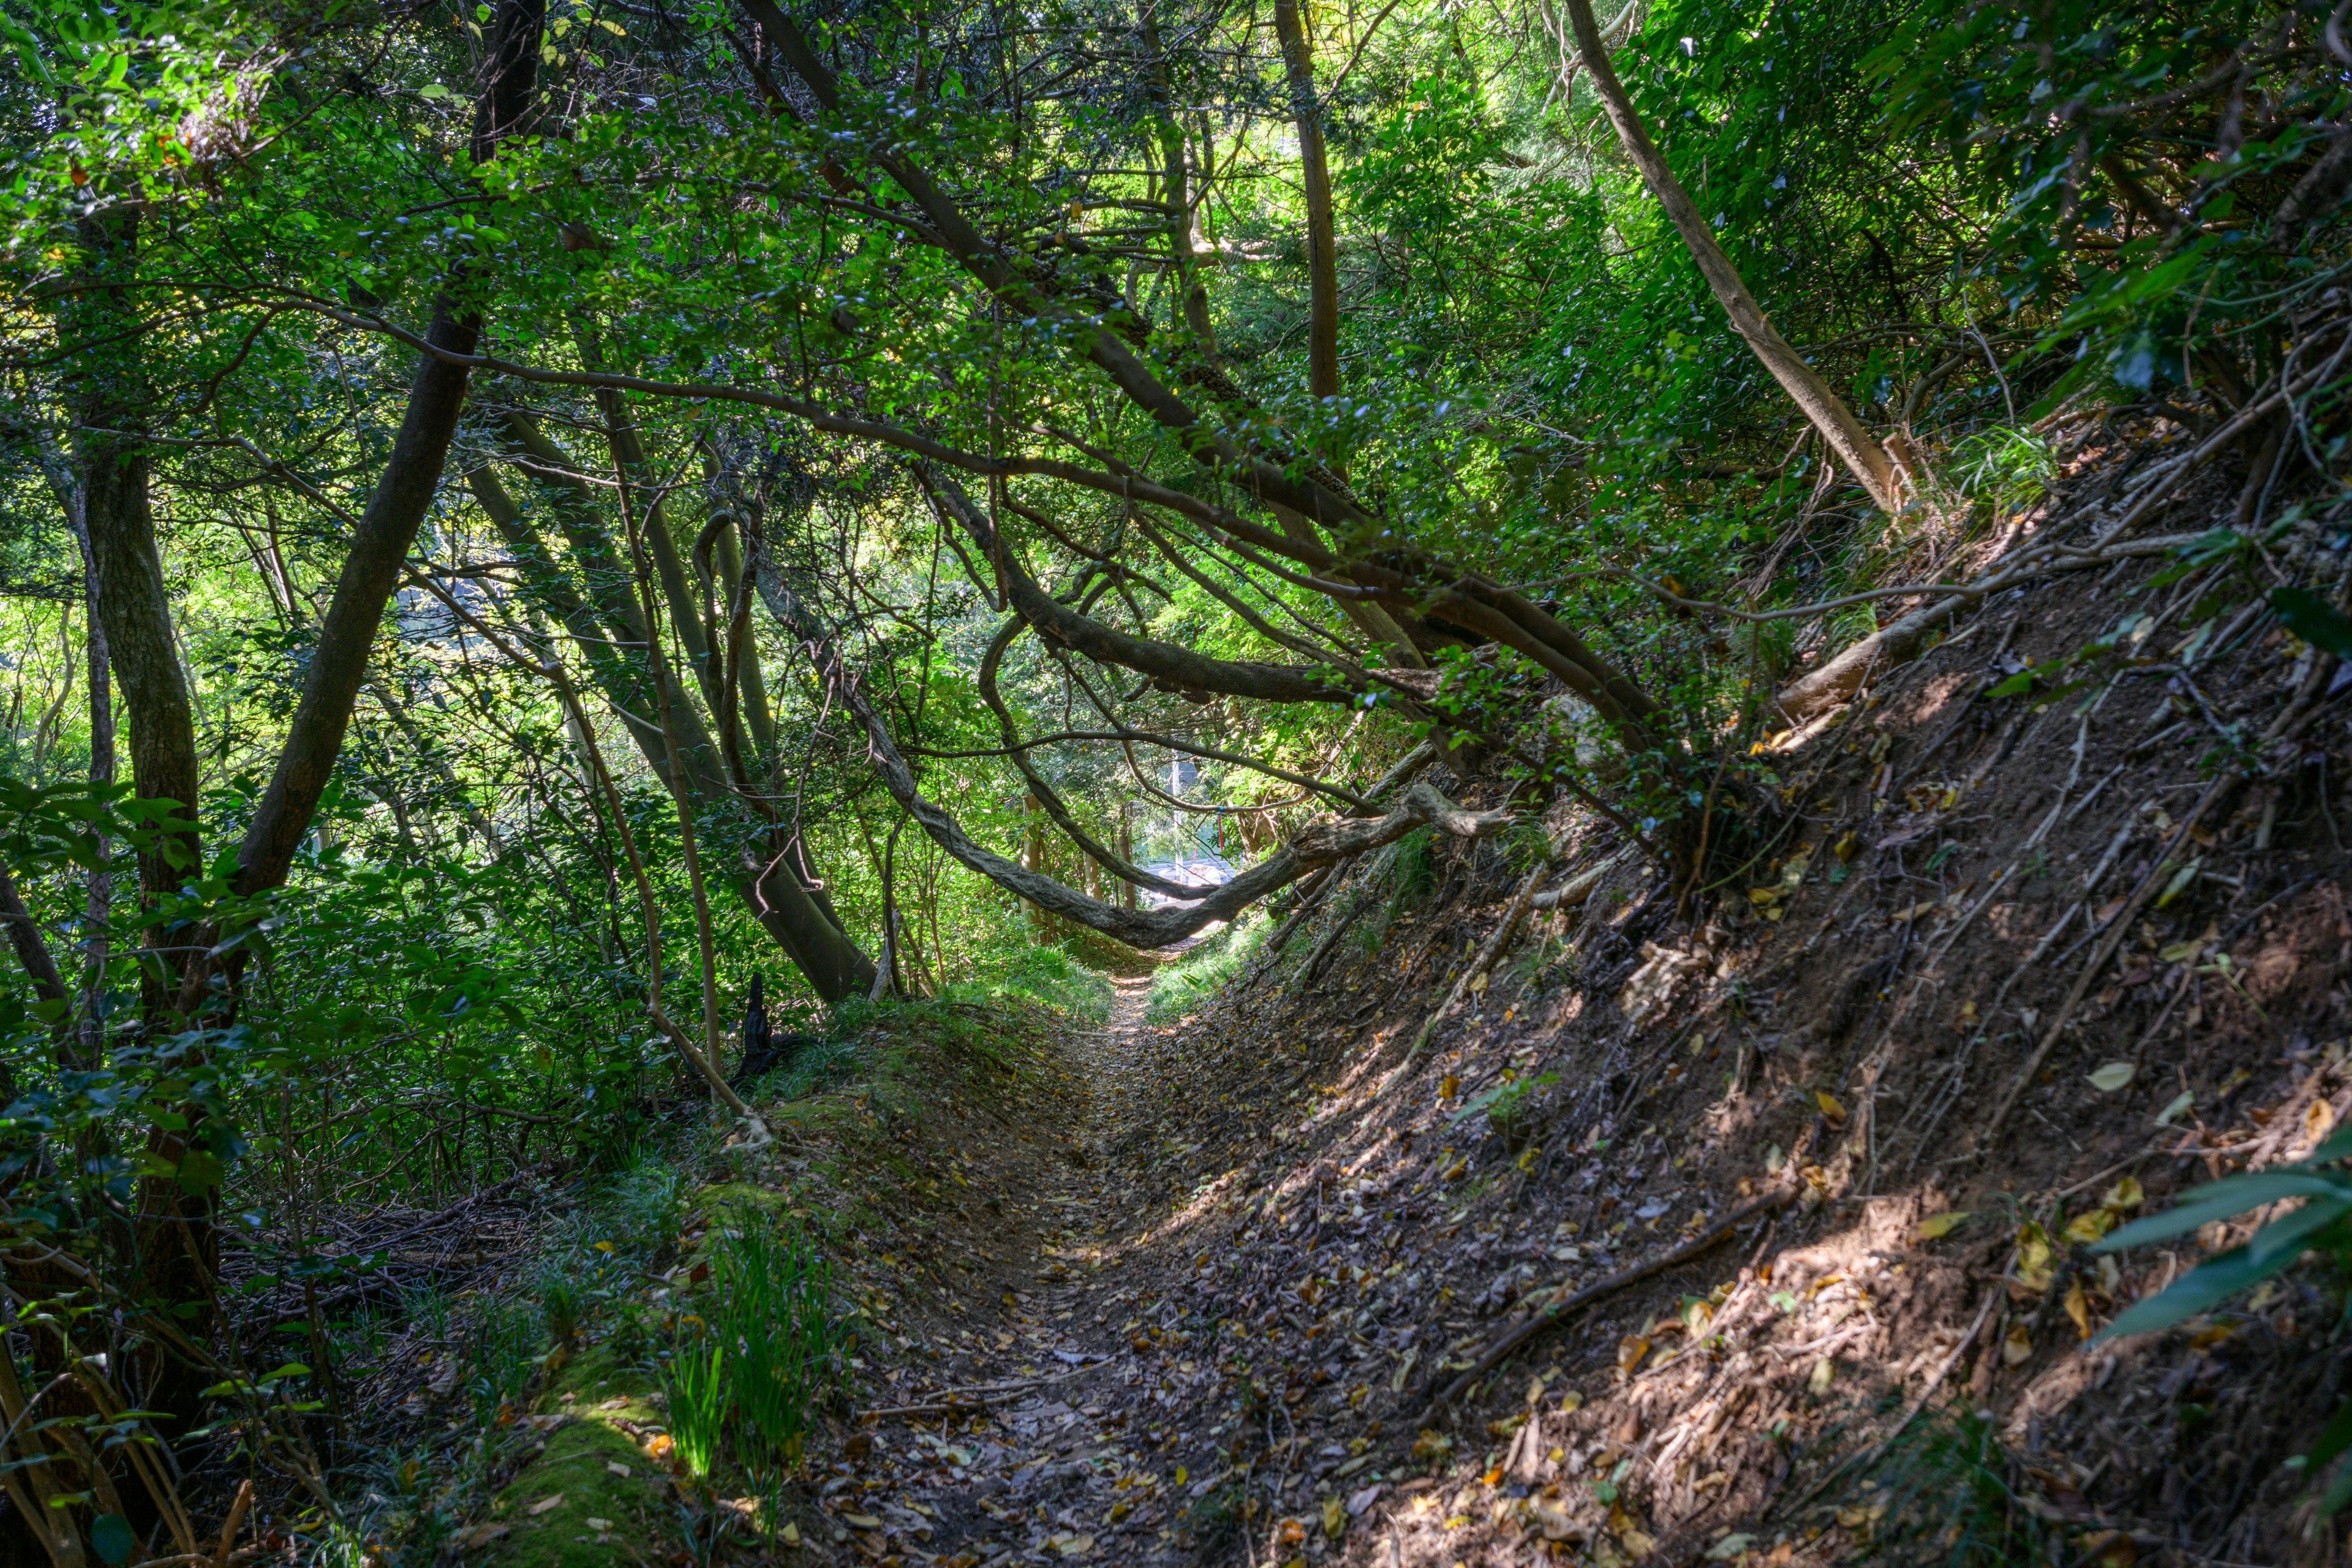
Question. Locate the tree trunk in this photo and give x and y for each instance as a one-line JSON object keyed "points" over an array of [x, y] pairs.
{"points": [[1863, 457]]}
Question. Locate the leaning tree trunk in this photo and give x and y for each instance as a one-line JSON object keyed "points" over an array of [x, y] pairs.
{"points": [[1828, 412]]}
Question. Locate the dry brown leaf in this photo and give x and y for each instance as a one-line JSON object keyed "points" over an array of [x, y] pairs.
{"points": [[2078, 1306], [2016, 1346]]}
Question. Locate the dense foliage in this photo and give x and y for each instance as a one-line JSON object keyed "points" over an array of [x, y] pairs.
{"points": [[531, 462]]}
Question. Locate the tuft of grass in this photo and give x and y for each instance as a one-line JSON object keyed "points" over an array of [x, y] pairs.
{"points": [[696, 1395], [502, 1347], [1947, 1491], [1180, 987], [771, 1323]]}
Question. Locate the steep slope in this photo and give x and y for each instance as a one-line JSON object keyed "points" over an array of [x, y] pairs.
{"points": [[2037, 959]]}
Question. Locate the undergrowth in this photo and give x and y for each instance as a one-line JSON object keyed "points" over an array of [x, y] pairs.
{"points": [[1184, 986]]}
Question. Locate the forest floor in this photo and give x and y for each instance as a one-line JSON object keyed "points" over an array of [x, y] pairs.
{"points": [[1779, 1210]]}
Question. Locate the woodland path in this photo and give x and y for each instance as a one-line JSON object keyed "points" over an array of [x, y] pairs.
{"points": [[1091, 1446]]}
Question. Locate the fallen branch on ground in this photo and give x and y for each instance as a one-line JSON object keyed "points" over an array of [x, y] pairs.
{"points": [[1554, 1317], [951, 1401]]}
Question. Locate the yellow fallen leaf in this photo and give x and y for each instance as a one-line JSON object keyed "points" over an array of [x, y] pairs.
{"points": [[1449, 1086], [1570, 1403], [2123, 1195], [2078, 1306], [2089, 1226], [1183, 1475], [1830, 1105], [861, 1521], [1630, 1352], [1335, 1518], [599, 1524], [660, 1447], [791, 1534], [545, 1505], [1938, 1226], [1824, 1373], [2318, 1119], [2033, 1253], [1478, 985], [2016, 1346]]}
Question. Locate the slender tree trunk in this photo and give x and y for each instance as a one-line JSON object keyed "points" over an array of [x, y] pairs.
{"points": [[395, 508], [1863, 457], [134, 612]]}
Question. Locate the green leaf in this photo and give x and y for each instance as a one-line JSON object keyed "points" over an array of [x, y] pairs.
{"points": [[2313, 620], [433, 90], [112, 1538], [2291, 1231], [2335, 1440], [2221, 1200], [2201, 1289]]}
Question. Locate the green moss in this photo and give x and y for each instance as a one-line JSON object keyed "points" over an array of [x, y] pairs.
{"points": [[576, 1466]]}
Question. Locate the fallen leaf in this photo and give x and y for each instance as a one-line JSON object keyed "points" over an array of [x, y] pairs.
{"points": [[2184, 1101], [1630, 1352], [2123, 1195], [1830, 1106], [660, 1447], [2033, 1254], [1570, 1403], [615, 1467], [2016, 1346], [2180, 883], [2113, 1077], [1729, 1547], [545, 1505], [1075, 1545], [1183, 1475], [1824, 1373], [2090, 1225], [2078, 1306], [2317, 1120], [791, 1534], [598, 1524], [1335, 1518], [861, 1521], [2181, 950], [1449, 1086], [481, 1535], [1638, 1543], [1938, 1226]]}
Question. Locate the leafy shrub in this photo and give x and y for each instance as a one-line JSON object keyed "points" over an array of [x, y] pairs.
{"points": [[2323, 1222]]}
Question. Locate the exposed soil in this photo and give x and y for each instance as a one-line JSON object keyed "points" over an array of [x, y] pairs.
{"points": [[1209, 1286]]}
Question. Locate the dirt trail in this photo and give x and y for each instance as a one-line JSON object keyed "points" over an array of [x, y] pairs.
{"points": [[1048, 1436]]}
